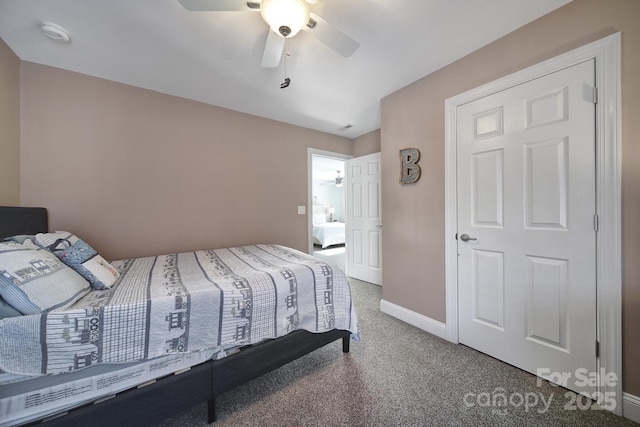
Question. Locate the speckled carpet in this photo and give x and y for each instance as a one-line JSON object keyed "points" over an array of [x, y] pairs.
{"points": [[397, 375]]}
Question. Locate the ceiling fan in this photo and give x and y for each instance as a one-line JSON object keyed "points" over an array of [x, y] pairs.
{"points": [[337, 181], [286, 18]]}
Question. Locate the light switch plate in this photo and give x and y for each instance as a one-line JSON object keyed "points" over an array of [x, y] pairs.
{"points": [[302, 210]]}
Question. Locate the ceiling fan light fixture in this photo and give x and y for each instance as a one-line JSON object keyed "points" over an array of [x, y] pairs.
{"points": [[285, 17]]}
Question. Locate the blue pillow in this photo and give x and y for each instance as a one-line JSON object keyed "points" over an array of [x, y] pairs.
{"points": [[86, 261], [6, 310]]}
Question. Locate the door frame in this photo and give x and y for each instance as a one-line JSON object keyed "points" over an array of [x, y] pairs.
{"points": [[606, 53], [310, 153]]}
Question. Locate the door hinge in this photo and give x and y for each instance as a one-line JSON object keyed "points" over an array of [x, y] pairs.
{"points": [[456, 236], [596, 222], [597, 349], [595, 95]]}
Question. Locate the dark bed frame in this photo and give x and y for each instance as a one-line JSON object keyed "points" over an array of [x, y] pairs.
{"points": [[174, 393]]}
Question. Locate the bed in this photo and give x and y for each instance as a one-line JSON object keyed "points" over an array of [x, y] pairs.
{"points": [[326, 233], [142, 349]]}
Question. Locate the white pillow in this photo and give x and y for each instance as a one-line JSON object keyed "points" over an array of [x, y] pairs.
{"points": [[319, 218], [33, 280], [48, 239]]}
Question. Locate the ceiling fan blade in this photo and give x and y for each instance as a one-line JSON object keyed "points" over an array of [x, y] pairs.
{"points": [[331, 36], [220, 5], [272, 50]]}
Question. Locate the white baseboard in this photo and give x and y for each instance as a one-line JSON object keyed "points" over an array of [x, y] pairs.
{"points": [[418, 320], [631, 407]]}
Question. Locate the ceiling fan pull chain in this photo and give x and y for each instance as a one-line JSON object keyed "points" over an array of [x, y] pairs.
{"points": [[287, 81]]}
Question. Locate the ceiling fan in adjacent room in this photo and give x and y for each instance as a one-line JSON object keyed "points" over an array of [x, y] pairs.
{"points": [[337, 181], [285, 18]]}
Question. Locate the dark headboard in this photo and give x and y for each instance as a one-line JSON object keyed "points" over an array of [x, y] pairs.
{"points": [[17, 220]]}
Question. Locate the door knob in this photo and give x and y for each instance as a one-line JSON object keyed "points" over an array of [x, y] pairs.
{"points": [[466, 238]]}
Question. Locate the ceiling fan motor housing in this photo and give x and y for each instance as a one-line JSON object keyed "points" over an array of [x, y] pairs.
{"points": [[284, 31]]}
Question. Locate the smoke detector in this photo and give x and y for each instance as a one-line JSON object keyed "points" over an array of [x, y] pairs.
{"points": [[55, 32]]}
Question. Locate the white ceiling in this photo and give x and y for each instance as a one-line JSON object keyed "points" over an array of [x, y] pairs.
{"points": [[214, 57]]}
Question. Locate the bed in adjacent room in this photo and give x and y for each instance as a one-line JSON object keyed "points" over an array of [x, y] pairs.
{"points": [[148, 337], [327, 233]]}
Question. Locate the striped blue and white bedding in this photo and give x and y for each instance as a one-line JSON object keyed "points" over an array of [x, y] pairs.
{"points": [[181, 303]]}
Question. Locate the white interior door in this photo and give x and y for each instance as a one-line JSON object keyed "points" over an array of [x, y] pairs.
{"points": [[364, 219], [527, 240]]}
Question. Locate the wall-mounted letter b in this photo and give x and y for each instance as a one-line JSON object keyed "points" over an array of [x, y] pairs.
{"points": [[410, 171]]}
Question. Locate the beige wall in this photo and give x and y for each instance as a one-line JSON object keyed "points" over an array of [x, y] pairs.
{"points": [[368, 143], [135, 172], [9, 127], [414, 117]]}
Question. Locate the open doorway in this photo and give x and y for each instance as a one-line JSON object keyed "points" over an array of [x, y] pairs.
{"points": [[327, 207]]}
